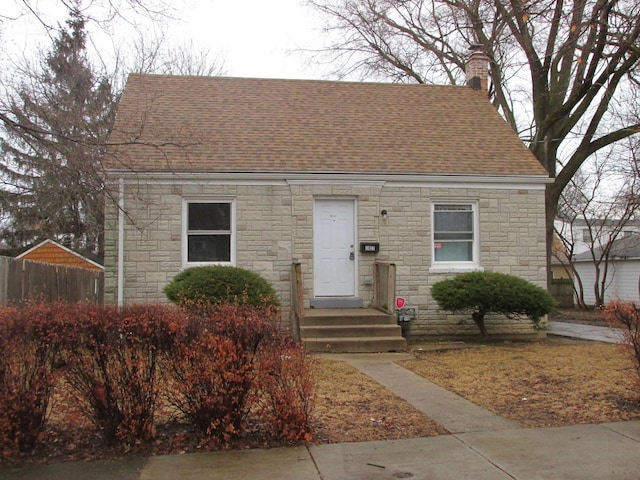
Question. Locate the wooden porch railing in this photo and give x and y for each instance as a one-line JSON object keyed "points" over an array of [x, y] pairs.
{"points": [[297, 298], [298, 290], [384, 286]]}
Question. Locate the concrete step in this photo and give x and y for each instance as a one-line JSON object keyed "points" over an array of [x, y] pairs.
{"points": [[351, 316], [349, 331], [355, 344]]}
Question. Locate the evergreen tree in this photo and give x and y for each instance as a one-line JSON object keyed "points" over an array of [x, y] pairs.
{"points": [[53, 140]]}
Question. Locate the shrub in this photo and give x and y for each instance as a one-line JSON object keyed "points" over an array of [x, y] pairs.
{"points": [[220, 370], [491, 292], [112, 362], [626, 315], [29, 343], [286, 389], [219, 284], [213, 370]]}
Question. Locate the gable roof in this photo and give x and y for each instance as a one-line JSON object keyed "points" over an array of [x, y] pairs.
{"points": [[52, 252], [218, 124], [625, 248]]}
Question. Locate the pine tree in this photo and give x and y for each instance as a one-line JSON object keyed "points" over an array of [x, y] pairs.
{"points": [[54, 138]]}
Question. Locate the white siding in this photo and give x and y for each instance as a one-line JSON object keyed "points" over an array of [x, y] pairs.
{"points": [[622, 281]]}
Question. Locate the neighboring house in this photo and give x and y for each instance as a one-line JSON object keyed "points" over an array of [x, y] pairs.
{"points": [[586, 235], [623, 271], [52, 252], [334, 176]]}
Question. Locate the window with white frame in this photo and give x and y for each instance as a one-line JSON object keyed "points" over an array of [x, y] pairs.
{"points": [[209, 235], [454, 234]]}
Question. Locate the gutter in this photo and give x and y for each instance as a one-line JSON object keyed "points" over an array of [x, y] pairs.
{"points": [[121, 220], [324, 178]]}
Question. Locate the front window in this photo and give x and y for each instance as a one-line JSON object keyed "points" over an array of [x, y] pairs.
{"points": [[454, 235], [209, 232]]}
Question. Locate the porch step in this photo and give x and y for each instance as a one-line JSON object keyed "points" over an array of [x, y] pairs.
{"points": [[349, 316], [350, 330], [355, 344], [336, 302]]}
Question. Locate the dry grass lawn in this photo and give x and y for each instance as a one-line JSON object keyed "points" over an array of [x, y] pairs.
{"points": [[553, 383], [351, 407]]}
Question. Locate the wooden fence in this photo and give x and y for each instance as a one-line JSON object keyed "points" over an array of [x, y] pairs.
{"points": [[562, 290], [22, 280]]}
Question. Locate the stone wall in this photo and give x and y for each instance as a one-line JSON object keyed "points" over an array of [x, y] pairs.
{"points": [[274, 225]]}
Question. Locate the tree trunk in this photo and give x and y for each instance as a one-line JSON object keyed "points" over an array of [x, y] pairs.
{"points": [[551, 210], [478, 317]]}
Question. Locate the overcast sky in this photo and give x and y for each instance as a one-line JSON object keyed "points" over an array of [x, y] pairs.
{"points": [[256, 38]]}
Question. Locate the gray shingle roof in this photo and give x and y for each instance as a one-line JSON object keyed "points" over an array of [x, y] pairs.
{"points": [[217, 124], [627, 247]]}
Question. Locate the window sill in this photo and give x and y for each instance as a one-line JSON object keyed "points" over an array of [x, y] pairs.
{"points": [[453, 269], [206, 264]]}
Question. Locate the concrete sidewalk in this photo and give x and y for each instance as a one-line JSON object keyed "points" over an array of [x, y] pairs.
{"points": [[482, 446], [585, 332], [603, 452]]}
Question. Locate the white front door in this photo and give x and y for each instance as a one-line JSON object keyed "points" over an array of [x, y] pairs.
{"points": [[334, 248]]}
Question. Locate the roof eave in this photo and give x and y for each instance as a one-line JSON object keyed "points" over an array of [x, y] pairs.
{"points": [[329, 177]]}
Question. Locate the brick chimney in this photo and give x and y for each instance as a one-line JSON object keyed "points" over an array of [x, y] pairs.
{"points": [[477, 69]]}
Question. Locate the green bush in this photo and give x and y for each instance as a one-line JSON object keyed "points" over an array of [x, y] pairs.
{"points": [[491, 292], [218, 284]]}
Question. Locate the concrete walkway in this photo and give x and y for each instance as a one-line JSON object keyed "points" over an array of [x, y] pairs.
{"points": [[586, 332], [453, 412]]}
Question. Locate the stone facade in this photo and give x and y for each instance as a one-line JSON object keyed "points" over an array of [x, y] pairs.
{"points": [[274, 227]]}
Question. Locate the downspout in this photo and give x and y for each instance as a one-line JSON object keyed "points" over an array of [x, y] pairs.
{"points": [[121, 220]]}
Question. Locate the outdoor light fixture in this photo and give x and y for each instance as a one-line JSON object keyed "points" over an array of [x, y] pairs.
{"points": [[383, 213]]}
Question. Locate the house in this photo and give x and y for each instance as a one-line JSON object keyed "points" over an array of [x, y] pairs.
{"points": [[52, 252], [622, 280], [341, 194], [584, 235]]}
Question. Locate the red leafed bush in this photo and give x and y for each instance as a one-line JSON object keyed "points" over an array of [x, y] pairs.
{"points": [[222, 366], [213, 369], [211, 384], [627, 316], [111, 366], [29, 343], [286, 389]]}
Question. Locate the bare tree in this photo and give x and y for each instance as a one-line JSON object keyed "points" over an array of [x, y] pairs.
{"points": [[564, 74], [597, 207], [55, 128], [156, 55], [55, 119]]}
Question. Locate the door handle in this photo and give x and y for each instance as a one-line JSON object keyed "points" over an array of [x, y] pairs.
{"points": [[352, 256]]}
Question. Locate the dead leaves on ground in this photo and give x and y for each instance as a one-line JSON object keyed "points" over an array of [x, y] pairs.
{"points": [[351, 407], [539, 385]]}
